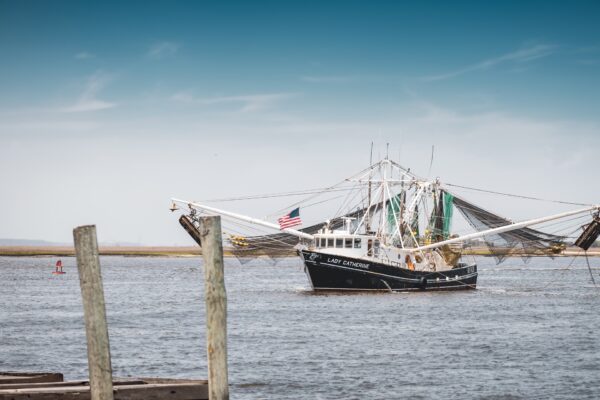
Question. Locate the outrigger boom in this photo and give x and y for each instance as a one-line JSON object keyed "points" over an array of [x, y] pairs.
{"points": [[303, 235], [506, 228], [241, 217]]}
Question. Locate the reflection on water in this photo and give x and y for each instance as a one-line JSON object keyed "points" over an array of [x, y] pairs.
{"points": [[529, 331]]}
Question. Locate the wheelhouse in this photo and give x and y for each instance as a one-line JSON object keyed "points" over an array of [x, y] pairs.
{"points": [[347, 244]]}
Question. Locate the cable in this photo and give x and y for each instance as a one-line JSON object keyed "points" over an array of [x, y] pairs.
{"points": [[282, 194], [518, 196], [589, 268]]}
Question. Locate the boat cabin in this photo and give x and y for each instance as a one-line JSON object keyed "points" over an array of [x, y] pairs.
{"points": [[344, 243]]}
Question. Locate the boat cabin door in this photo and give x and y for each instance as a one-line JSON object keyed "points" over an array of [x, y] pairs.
{"points": [[373, 248]]}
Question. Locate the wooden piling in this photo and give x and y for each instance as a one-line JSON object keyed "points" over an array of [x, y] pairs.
{"points": [[94, 311], [216, 307]]}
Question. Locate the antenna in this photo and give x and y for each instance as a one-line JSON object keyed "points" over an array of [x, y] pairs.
{"points": [[431, 162], [387, 151]]}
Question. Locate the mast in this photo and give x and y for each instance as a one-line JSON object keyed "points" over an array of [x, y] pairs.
{"points": [[368, 217], [401, 228], [383, 209]]}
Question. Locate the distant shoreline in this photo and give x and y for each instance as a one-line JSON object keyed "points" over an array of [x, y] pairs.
{"points": [[69, 251], [194, 251]]}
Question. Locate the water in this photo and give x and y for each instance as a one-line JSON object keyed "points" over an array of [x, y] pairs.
{"points": [[528, 332]]}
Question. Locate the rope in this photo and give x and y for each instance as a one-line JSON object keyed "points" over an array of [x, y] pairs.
{"points": [[519, 196], [590, 268], [330, 188], [563, 272], [282, 194]]}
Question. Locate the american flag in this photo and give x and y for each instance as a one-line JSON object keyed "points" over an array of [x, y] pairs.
{"points": [[291, 219]]}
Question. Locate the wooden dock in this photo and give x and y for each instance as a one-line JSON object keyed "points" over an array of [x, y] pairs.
{"points": [[46, 386], [16, 378], [101, 385]]}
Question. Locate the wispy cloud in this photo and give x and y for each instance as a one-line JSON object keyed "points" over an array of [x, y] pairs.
{"points": [[163, 49], [88, 100], [249, 103], [523, 55], [84, 55], [329, 79]]}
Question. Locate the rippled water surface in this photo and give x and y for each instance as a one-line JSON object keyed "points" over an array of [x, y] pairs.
{"points": [[528, 332]]}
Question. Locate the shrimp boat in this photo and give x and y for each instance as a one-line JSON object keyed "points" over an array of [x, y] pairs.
{"points": [[392, 233]]}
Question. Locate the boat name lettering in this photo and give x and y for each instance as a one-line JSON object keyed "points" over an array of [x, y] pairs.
{"points": [[348, 263]]}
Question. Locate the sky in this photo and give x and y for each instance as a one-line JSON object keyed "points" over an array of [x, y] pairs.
{"points": [[109, 109]]}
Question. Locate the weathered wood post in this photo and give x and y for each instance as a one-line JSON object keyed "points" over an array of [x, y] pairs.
{"points": [[216, 307], [94, 311]]}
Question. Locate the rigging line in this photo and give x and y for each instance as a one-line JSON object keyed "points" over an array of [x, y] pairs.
{"points": [[282, 194], [406, 171], [262, 231], [563, 272], [518, 196], [573, 232], [567, 236], [326, 189], [590, 268], [347, 201], [553, 224], [478, 209], [322, 201], [475, 208], [543, 229], [365, 219], [278, 213], [501, 240]]}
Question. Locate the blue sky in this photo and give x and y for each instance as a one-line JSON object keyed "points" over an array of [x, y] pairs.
{"points": [[108, 109]]}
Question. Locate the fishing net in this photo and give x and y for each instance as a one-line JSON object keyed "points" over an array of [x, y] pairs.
{"points": [[282, 244], [523, 241], [394, 208]]}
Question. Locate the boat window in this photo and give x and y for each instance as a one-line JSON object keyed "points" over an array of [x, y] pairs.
{"points": [[323, 242], [339, 243], [376, 248], [357, 243], [348, 243], [329, 242]]}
